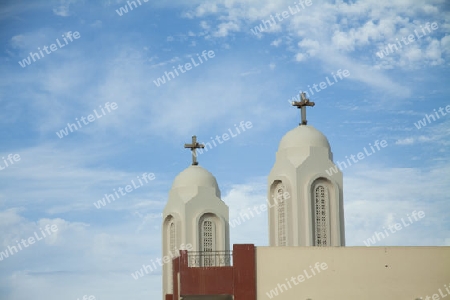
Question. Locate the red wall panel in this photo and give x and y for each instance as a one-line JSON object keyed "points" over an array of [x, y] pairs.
{"points": [[238, 280]]}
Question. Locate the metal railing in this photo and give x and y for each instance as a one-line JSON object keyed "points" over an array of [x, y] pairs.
{"points": [[210, 258]]}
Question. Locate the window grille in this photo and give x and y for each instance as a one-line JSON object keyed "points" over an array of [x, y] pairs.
{"points": [[281, 207], [173, 239], [172, 249], [321, 216], [208, 241]]}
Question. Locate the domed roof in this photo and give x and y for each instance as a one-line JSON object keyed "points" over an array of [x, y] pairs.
{"points": [[195, 175], [303, 136]]}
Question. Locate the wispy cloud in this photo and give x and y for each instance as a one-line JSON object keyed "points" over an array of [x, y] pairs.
{"points": [[117, 59]]}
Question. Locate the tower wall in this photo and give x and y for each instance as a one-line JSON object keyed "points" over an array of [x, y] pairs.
{"points": [[191, 203], [299, 170]]}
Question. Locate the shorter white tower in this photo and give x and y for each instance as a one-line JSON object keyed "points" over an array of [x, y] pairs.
{"points": [[194, 217], [305, 203]]}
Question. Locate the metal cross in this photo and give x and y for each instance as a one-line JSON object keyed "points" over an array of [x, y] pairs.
{"points": [[193, 148], [302, 105]]}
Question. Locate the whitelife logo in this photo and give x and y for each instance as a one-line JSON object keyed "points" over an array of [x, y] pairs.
{"points": [[187, 67], [356, 158], [128, 189], [124, 9], [411, 38], [423, 122], [225, 137], [380, 235], [243, 216], [90, 118], [322, 85], [49, 229], [440, 295], [27, 61], [266, 24], [166, 259], [297, 280], [11, 158]]}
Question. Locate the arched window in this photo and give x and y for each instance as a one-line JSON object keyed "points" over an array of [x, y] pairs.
{"points": [[208, 235], [281, 214], [207, 240], [171, 235], [172, 238], [321, 216]]}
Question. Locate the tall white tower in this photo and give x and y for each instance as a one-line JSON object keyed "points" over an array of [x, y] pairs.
{"points": [[305, 202], [194, 215]]}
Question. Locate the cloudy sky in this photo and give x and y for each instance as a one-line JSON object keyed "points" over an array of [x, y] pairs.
{"points": [[105, 68]]}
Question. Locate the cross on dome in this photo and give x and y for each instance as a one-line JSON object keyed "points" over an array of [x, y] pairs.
{"points": [[194, 146], [302, 105]]}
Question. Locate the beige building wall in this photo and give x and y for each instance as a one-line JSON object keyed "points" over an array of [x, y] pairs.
{"points": [[353, 273]]}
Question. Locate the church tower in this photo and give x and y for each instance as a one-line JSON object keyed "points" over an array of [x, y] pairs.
{"points": [[305, 203], [194, 218]]}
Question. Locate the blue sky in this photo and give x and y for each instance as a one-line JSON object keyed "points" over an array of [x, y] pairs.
{"points": [[251, 77]]}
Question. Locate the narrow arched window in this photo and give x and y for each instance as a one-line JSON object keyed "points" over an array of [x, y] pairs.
{"points": [[172, 238], [281, 215], [208, 241], [208, 235], [171, 232], [321, 216]]}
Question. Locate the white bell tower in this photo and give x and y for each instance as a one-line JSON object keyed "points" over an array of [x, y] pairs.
{"points": [[194, 217], [305, 202]]}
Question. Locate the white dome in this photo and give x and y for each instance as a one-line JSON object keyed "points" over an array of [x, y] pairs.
{"points": [[195, 175], [303, 136]]}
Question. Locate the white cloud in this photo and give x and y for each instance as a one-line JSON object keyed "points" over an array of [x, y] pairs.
{"points": [[206, 8], [224, 29], [405, 141], [57, 181], [163, 63], [373, 197], [98, 261], [205, 25], [310, 46], [445, 44], [17, 41], [62, 11], [251, 72], [435, 134], [276, 42], [377, 196], [349, 30], [433, 53], [247, 224], [97, 24]]}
